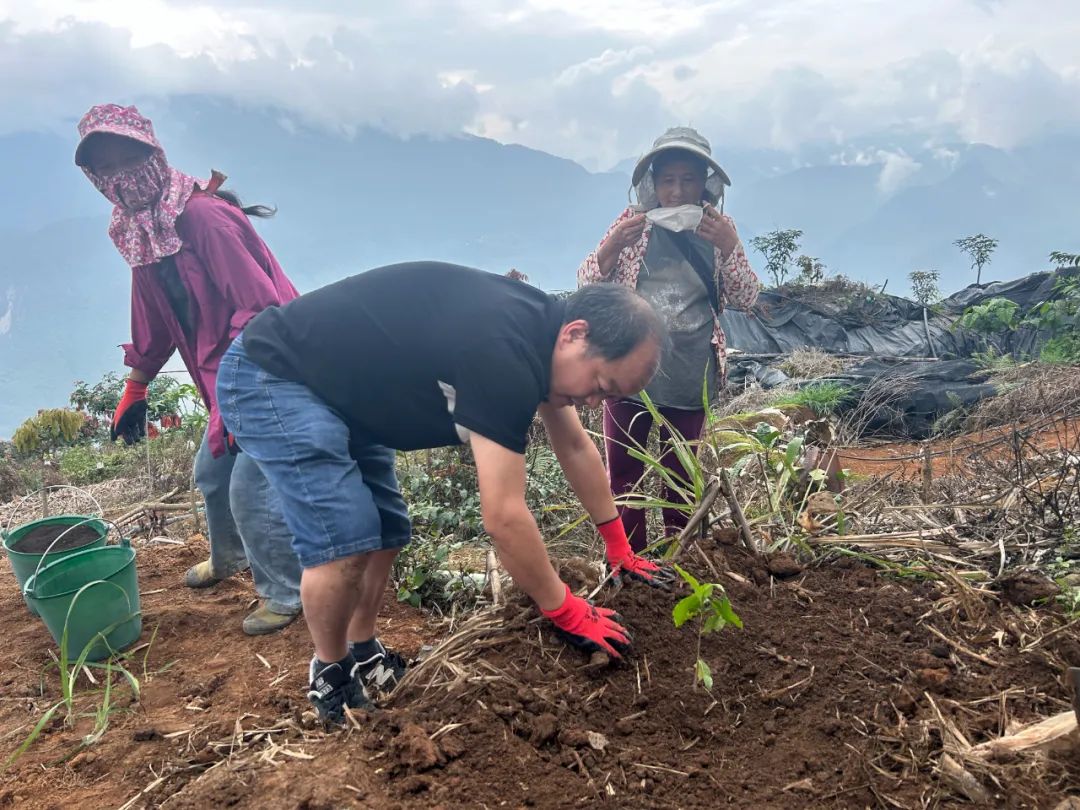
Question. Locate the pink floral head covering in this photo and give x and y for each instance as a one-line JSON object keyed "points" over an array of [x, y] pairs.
{"points": [[147, 199]]}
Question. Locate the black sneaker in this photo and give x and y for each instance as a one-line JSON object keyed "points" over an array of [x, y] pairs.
{"points": [[332, 689], [380, 671]]}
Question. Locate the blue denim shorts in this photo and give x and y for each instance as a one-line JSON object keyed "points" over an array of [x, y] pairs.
{"points": [[338, 493]]}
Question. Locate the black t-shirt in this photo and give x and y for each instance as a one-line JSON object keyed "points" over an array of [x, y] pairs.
{"points": [[416, 355]]}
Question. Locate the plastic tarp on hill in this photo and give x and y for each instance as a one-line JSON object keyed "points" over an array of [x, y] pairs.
{"points": [[877, 325], [894, 337]]}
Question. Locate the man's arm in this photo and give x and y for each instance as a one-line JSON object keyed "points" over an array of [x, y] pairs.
{"points": [[580, 461], [584, 469], [501, 475]]}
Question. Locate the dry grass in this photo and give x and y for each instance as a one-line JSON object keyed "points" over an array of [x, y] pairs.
{"points": [[752, 399], [809, 364], [1028, 391]]}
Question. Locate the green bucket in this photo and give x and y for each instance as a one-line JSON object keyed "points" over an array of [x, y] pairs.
{"points": [[94, 593], [24, 564]]}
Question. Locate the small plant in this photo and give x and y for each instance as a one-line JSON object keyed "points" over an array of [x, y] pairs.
{"points": [[1061, 350], [924, 286], [823, 398], [69, 672], [778, 247], [709, 605], [811, 270], [993, 360], [979, 249]]}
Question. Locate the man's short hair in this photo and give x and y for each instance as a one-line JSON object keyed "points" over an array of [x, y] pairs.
{"points": [[619, 319]]}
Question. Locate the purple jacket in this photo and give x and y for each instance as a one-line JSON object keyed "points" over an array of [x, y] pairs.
{"points": [[230, 276]]}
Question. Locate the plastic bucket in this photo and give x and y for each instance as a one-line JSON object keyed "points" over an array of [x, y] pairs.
{"points": [[24, 564], [94, 593]]}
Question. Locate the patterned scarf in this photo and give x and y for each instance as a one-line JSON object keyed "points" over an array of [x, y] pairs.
{"points": [[147, 198]]}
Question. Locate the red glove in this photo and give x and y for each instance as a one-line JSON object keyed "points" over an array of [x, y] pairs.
{"points": [[624, 561], [589, 628], [129, 420]]}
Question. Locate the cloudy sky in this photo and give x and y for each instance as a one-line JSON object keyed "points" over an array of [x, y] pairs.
{"points": [[593, 80]]}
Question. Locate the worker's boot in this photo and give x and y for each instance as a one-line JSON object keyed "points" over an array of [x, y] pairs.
{"points": [[263, 620]]}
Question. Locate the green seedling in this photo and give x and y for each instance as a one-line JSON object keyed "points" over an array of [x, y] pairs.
{"points": [[69, 672], [709, 606]]}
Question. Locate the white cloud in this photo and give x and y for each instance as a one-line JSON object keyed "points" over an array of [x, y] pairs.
{"points": [[593, 81], [896, 169]]}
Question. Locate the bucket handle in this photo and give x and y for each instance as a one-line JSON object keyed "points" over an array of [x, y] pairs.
{"points": [[24, 498], [112, 523]]}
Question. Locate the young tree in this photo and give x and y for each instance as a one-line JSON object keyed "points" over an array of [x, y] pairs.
{"points": [[777, 247], [811, 269], [979, 249], [924, 286]]}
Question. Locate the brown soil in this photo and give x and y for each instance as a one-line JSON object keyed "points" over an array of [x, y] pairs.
{"points": [[39, 538], [822, 700], [959, 455]]}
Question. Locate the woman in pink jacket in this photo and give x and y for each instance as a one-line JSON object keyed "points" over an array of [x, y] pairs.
{"points": [[200, 272], [684, 257]]}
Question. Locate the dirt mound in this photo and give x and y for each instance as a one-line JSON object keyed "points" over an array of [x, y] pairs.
{"points": [[818, 701], [826, 698]]}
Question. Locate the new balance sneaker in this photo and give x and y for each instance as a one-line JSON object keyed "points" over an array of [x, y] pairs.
{"points": [[333, 688], [377, 668]]}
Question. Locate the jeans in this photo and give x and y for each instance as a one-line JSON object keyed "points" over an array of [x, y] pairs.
{"points": [[627, 424], [245, 527], [336, 489]]}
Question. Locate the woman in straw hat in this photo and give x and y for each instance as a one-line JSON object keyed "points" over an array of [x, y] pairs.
{"points": [[684, 256]]}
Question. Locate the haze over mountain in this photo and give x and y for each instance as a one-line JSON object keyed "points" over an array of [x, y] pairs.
{"points": [[347, 204], [386, 132]]}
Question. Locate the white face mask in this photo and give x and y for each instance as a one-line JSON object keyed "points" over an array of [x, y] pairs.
{"points": [[679, 218]]}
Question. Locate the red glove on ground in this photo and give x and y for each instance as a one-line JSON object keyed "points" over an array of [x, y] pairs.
{"points": [[129, 420], [589, 628], [624, 562]]}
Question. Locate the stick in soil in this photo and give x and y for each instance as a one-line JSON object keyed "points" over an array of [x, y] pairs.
{"points": [[736, 510], [956, 645]]}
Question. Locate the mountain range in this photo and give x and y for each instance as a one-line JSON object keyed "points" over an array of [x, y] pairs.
{"points": [[873, 210]]}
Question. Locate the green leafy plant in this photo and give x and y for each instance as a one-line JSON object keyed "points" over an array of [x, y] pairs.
{"points": [[165, 396], [83, 464], [1061, 350], [924, 286], [979, 249], [709, 606], [689, 488], [992, 317], [1061, 259], [424, 576], [811, 270], [778, 246], [993, 360]]}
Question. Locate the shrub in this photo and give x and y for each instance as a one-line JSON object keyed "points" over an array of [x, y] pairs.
{"points": [[83, 464], [1061, 350]]}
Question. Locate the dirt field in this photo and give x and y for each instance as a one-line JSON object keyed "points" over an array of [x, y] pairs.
{"points": [[828, 697]]}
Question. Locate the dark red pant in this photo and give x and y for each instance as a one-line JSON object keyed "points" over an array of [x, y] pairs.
{"points": [[627, 424]]}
